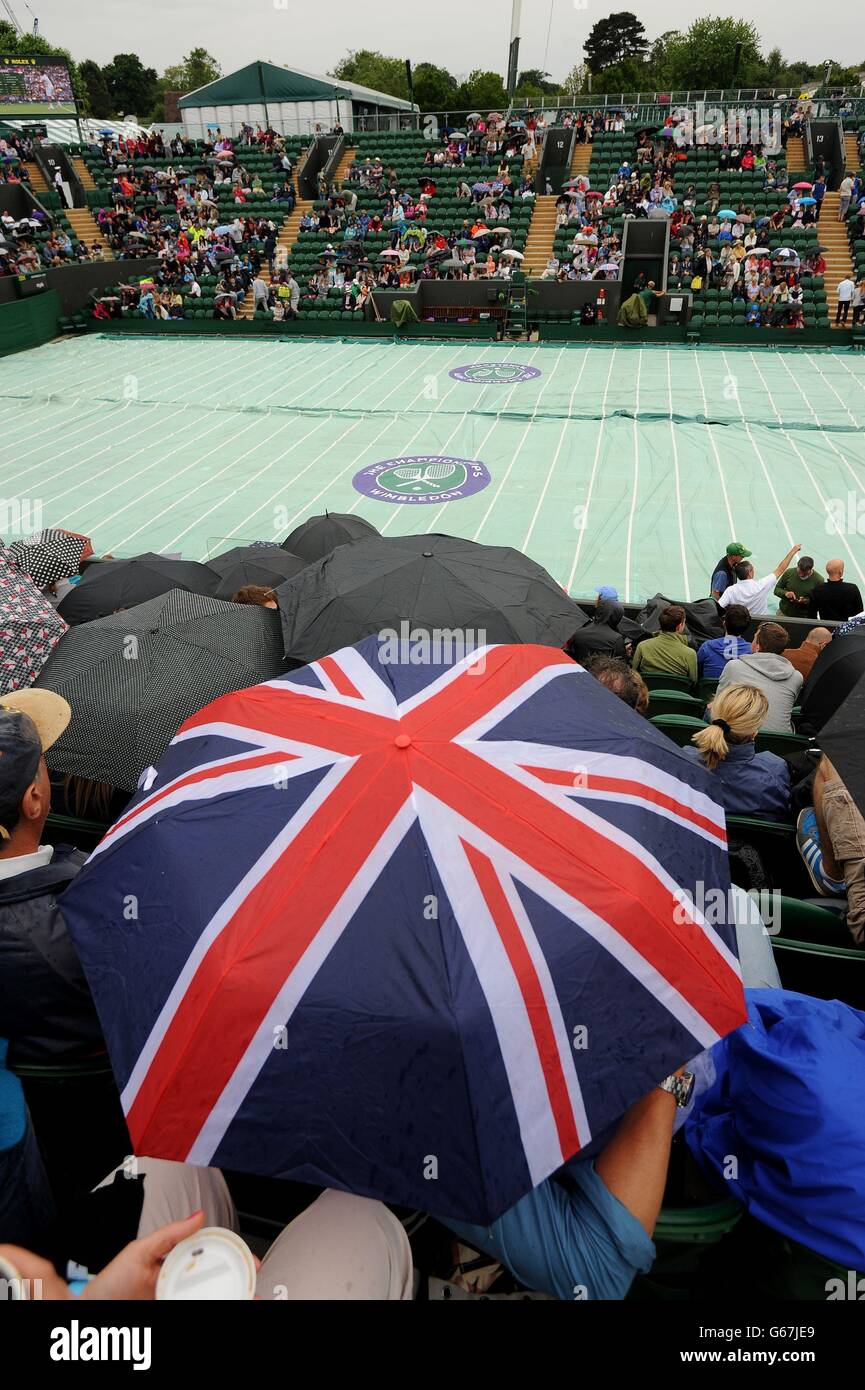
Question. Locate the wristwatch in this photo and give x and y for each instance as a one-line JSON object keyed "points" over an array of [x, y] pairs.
{"points": [[679, 1087]]}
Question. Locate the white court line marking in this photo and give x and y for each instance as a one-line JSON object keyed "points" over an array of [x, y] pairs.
{"points": [[824, 378], [636, 484], [813, 480], [712, 441], [355, 462], [145, 422], [290, 419], [585, 517], [121, 409], [568, 417], [519, 448], [429, 415], [441, 507], [396, 509], [222, 501], [675, 444], [760, 458], [223, 420], [841, 363]]}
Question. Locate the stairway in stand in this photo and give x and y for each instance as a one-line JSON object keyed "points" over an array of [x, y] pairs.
{"points": [[839, 264], [796, 155], [38, 181], [289, 232], [581, 159], [87, 229], [344, 164], [542, 231], [851, 153], [84, 175]]}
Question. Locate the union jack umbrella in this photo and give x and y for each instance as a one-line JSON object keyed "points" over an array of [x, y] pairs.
{"points": [[411, 930]]}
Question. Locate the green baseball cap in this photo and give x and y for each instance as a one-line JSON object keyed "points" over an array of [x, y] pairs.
{"points": [[737, 548]]}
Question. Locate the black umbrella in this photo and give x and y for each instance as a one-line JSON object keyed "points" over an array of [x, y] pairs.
{"points": [[253, 564], [842, 738], [134, 677], [115, 584], [432, 583], [319, 535], [701, 617], [834, 675]]}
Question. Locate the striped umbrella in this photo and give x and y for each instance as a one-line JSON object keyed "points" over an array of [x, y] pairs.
{"points": [[134, 677]]}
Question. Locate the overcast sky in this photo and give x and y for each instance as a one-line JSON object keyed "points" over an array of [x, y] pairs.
{"points": [[456, 34]]}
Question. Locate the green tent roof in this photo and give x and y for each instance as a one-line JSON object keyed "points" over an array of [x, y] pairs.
{"points": [[267, 82]]}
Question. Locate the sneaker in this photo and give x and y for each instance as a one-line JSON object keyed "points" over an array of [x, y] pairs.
{"points": [[808, 845]]}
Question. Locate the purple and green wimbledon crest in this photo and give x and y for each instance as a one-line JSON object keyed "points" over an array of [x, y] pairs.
{"points": [[421, 478], [495, 373]]}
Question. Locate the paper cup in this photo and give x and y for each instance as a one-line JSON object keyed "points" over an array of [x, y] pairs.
{"points": [[213, 1265]]}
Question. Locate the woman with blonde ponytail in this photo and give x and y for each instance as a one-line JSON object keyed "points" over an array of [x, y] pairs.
{"points": [[750, 783]]}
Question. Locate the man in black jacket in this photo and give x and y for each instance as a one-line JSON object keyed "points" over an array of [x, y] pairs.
{"points": [[835, 600], [46, 1011], [599, 635]]}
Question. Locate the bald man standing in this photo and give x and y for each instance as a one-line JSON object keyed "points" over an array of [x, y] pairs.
{"points": [[835, 600]]}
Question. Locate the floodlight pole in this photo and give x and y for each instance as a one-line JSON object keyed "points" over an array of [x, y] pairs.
{"points": [[514, 50]]}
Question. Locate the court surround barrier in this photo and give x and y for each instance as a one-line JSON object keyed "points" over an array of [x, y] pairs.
{"points": [[299, 328], [27, 323]]}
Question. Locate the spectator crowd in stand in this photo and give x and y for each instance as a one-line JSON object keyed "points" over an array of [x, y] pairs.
{"points": [[600, 1226]]}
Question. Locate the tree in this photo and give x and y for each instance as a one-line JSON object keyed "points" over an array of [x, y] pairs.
{"points": [[98, 96], [435, 88], [535, 80], [132, 86], [613, 39], [705, 55], [627, 76], [484, 91], [370, 68], [576, 81], [197, 69], [659, 58]]}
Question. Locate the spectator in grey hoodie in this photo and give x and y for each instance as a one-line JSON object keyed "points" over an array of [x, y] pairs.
{"points": [[769, 670]]}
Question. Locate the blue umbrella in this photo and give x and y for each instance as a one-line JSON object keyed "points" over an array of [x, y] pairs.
{"points": [[787, 1101], [726, 215], [378, 899], [807, 202]]}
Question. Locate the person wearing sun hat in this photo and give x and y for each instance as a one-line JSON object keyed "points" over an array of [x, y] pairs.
{"points": [[724, 572], [46, 1011]]}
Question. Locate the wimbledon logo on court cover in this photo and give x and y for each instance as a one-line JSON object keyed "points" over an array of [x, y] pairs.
{"points": [[494, 373], [422, 478]]}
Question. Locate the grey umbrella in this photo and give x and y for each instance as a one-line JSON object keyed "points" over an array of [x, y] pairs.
{"points": [[134, 677], [434, 583]]}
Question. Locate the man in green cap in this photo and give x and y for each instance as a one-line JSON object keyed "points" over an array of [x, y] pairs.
{"points": [[724, 572]]}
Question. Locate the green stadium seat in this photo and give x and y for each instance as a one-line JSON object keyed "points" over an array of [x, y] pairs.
{"points": [[660, 680]]}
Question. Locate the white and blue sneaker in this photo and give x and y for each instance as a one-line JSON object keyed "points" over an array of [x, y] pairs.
{"points": [[808, 845]]}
